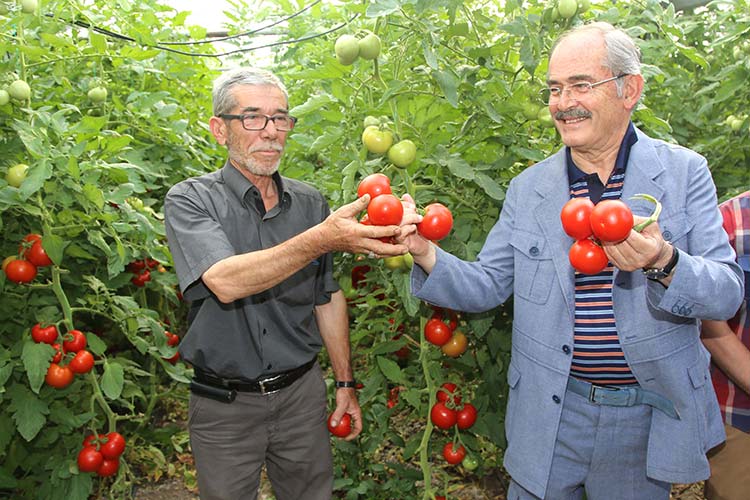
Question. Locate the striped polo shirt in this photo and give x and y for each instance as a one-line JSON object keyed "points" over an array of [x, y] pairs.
{"points": [[597, 354]]}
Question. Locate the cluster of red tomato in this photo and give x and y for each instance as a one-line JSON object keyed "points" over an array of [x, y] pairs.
{"points": [[451, 341], [589, 224], [59, 374], [101, 454], [449, 411], [173, 340], [385, 209], [23, 269], [141, 270]]}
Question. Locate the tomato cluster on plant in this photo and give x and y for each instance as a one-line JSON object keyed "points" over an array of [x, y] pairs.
{"points": [[141, 270], [31, 256], [64, 366], [101, 454]]}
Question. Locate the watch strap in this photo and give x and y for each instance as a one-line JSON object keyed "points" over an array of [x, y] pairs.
{"points": [[345, 384], [656, 274]]}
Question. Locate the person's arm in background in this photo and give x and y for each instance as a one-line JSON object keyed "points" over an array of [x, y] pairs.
{"points": [[727, 352], [333, 324]]}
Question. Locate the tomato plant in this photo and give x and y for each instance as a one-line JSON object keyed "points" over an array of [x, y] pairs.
{"points": [[587, 257], [449, 392], [436, 223], [141, 279], [575, 217], [611, 220], [344, 427]]}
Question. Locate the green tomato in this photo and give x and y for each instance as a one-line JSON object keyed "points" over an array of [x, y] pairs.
{"points": [[371, 121], [97, 94], [583, 6], [4, 97], [347, 49], [408, 261], [402, 153], [567, 8], [16, 174], [736, 124], [469, 462], [394, 263], [530, 111], [377, 141], [369, 47], [29, 6], [19, 90]]}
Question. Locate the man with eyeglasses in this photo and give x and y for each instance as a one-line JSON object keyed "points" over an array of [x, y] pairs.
{"points": [[610, 394], [252, 252]]}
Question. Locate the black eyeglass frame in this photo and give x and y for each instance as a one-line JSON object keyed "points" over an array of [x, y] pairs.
{"points": [[273, 118]]}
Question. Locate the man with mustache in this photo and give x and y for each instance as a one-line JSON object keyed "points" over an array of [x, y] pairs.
{"points": [[610, 392], [252, 251]]}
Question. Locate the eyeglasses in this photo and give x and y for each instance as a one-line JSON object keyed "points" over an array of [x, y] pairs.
{"points": [[253, 121], [577, 90]]}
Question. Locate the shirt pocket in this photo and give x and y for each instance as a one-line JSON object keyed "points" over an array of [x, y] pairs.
{"points": [[534, 272]]}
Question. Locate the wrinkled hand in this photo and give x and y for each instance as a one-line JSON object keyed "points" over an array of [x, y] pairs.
{"points": [[342, 232], [645, 249], [346, 402], [421, 249]]}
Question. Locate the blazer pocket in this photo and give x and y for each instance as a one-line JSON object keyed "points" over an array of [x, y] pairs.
{"points": [[534, 271]]}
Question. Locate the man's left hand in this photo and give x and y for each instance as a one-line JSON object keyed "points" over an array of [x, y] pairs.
{"points": [[646, 249], [346, 402]]}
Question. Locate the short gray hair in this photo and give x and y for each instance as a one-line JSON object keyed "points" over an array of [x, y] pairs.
{"points": [[224, 101], [623, 57]]}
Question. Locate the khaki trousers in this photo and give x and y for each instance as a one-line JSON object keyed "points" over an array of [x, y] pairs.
{"points": [[730, 467], [286, 430]]}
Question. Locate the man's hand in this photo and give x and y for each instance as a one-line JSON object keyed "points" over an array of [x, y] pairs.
{"points": [[341, 231], [346, 402], [646, 249], [420, 248]]}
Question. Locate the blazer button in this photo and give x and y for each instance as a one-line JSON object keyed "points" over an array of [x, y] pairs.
{"points": [[566, 349], [556, 399], [667, 235], [534, 251]]}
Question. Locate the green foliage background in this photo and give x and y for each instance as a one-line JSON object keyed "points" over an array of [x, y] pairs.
{"points": [[459, 78]]}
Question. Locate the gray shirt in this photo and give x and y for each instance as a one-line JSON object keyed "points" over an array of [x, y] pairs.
{"points": [[221, 214]]}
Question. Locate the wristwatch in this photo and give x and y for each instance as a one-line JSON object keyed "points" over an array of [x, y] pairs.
{"points": [[656, 274], [340, 384]]}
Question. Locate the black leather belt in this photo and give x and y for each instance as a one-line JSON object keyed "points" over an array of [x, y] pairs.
{"points": [[264, 385]]}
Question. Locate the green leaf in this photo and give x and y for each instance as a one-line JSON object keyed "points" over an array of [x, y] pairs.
{"points": [[94, 195], [449, 85], [112, 380], [312, 104], [390, 369], [490, 186], [29, 412], [36, 359], [377, 8], [95, 344], [54, 246]]}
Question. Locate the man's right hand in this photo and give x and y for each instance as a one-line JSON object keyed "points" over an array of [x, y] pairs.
{"points": [[343, 232], [422, 249]]}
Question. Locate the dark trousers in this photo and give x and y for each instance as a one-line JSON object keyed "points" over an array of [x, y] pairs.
{"points": [[286, 430]]}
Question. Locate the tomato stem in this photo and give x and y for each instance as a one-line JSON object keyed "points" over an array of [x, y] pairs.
{"points": [[654, 215], [424, 460]]}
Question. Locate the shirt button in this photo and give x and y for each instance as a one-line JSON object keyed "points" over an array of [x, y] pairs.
{"points": [[534, 251], [556, 399], [268, 367], [566, 349], [265, 331], [667, 235]]}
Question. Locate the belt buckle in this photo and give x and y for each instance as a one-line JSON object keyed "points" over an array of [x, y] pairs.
{"points": [[262, 384], [592, 391]]}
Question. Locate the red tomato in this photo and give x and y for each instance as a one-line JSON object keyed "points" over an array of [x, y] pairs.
{"points": [[142, 278], [114, 446], [89, 459], [74, 341], [47, 334], [436, 332], [385, 210], [447, 392], [58, 353], [137, 266], [88, 440], [359, 275], [172, 339], [37, 255], [343, 429], [436, 223], [58, 376], [575, 218], [452, 316], [466, 416], [453, 454], [587, 257], [108, 467], [374, 185], [82, 362], [442, 417], [611, 220], [22, 271]]}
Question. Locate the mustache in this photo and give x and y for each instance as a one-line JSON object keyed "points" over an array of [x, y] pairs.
{"points": [[268, 146], [572, 113]]}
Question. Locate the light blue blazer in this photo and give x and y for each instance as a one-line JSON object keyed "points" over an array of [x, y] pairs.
{"points": [[526, 254]]}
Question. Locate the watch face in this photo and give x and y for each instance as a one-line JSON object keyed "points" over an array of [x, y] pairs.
{"points": [[655, 274]]}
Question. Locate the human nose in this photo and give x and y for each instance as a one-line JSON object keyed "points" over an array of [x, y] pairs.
{"points": [[270, 128], [566, 97]]}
